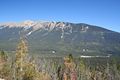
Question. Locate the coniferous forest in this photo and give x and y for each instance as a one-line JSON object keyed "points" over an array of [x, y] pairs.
{"points": [[23, 66]]}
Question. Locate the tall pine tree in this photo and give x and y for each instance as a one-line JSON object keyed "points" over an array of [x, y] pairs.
{"points": [[21, 54]]}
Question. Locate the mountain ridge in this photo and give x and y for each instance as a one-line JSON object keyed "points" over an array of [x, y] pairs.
{"points": [[33, 23], [61, 38]]}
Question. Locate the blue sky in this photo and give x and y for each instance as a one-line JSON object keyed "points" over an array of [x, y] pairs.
{"points": [[104, 13]]}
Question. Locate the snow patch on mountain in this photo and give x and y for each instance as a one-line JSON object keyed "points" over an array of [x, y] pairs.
{"points": [[29, 33]]}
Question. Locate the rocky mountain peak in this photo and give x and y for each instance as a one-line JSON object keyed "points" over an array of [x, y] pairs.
{"points": [[34, 24]]}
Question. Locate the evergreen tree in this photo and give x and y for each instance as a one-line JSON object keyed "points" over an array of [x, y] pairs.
{"points": [[3, 57], [20, 57], [4, 67]]}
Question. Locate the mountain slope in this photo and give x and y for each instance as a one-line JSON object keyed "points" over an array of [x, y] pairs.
{"points": [[59, 38]]}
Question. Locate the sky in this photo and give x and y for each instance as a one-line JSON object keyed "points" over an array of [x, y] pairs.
{"points": [[104, 13]]}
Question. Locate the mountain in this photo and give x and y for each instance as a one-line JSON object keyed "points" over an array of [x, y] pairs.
{"points": [[60, 38]]}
